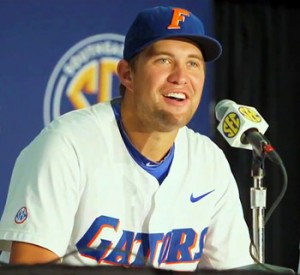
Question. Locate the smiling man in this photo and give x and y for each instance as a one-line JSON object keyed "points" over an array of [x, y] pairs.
{"points": [[126, 182]]}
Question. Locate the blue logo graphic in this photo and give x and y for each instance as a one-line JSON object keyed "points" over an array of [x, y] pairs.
{"points": [[195, 199]]}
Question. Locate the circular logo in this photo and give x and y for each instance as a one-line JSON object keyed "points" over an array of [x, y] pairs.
{"points": [[22, 215], [86, 74], [250, 114], [231, 125]]}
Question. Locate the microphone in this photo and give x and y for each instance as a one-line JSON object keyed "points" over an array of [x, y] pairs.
{"points": [[243, 127]]}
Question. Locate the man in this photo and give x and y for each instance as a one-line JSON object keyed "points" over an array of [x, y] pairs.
{"points": [[126, 182]]}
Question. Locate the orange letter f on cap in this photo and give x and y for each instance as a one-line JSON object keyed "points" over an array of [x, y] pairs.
{"points": [[178, 15]]}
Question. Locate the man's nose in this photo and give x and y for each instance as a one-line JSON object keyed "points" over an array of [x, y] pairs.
{"points": [[178, 75]]}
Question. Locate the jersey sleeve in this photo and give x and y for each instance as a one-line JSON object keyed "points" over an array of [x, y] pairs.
{"points": [[43, 194]]}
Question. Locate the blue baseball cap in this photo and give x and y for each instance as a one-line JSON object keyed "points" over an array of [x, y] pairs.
{"points": [[158, 23]]}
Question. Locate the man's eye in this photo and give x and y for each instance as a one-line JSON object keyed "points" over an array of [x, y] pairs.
{"points": [[164, 60], [194, 64]]}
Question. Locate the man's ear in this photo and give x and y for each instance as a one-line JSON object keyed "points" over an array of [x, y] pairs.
{"points": [[125, 74]]}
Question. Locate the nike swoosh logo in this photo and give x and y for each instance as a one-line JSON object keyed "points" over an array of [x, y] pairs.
{"points": [[149, 164], [195, 199]]}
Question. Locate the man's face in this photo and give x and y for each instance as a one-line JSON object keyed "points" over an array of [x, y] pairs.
{"points": [[167, 84]]}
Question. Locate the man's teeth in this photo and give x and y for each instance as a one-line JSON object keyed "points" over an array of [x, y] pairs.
{"points": [[176, 95]]}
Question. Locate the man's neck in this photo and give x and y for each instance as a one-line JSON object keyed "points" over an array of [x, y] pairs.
{"points": [[153, 145]]}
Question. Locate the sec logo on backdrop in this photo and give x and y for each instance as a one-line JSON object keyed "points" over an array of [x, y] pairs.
{"points": [[85, 75]]}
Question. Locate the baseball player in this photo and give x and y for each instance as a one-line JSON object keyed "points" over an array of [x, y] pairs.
{"points": [[126, 182]]}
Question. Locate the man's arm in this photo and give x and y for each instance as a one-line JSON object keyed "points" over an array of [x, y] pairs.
{"points": [[26, 253]]}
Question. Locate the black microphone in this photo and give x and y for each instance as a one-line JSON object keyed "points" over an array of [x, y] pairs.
{"points": [[243, 127]]}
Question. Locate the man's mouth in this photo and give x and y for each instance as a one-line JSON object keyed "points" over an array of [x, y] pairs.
{"points": [[176, 96]]}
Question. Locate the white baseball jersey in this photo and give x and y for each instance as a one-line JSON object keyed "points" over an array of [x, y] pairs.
{"points": [[76, 191]]}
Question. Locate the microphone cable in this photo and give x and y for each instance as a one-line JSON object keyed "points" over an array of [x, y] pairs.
{"points": [[282, 192]]}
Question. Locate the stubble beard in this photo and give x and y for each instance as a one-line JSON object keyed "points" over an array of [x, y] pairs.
{"points": [[164, 121]]}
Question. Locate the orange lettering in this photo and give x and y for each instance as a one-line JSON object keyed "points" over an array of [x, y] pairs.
{"points": [[178, 16]]}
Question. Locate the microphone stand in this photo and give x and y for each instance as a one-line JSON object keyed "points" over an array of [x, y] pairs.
{"points": [[258, 205]]}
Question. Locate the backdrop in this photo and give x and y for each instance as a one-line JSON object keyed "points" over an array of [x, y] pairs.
{"points": [[61, 55], [260, 67]]}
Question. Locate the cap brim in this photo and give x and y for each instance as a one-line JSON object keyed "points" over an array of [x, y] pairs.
{"points": [[210, 47]]}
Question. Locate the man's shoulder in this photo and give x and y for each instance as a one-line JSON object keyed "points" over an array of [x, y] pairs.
{"points": [[195, 137], [197, 142], [82, 123], [91, 115]]}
